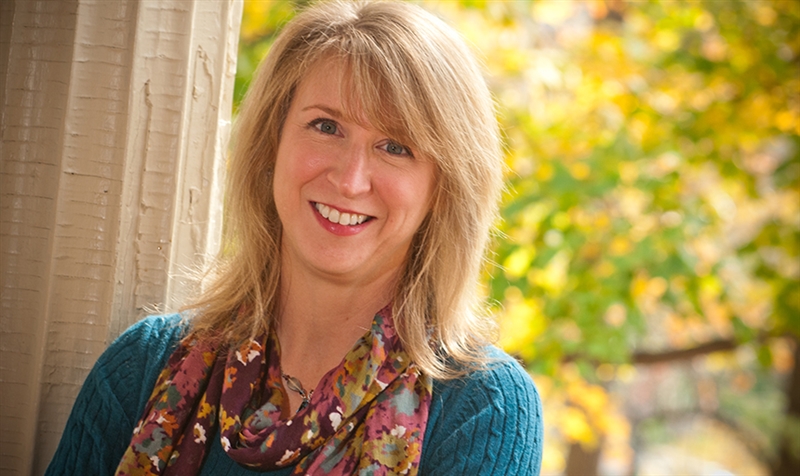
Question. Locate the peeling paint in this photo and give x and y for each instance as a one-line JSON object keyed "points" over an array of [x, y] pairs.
{"points": [[112, 146]]}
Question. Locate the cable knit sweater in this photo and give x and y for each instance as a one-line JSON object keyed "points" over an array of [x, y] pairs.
{"points": [[489, 423]]}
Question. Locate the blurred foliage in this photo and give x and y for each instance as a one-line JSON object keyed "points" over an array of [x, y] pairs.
{"points": [[261, 21], [654, 176], [653, 198]]}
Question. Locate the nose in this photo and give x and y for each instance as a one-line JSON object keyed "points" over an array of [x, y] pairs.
{"points": [[351, 174]]}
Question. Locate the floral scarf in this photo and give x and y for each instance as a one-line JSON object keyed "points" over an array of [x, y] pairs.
{"points": [[367, 416]]}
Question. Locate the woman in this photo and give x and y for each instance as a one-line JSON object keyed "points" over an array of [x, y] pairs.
{"points": [[363, 184]]}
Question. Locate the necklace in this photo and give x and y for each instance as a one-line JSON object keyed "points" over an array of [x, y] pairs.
{"points": [[295, 385]]}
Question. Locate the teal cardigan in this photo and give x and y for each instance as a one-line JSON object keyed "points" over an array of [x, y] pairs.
{"points": [[488, 423]]}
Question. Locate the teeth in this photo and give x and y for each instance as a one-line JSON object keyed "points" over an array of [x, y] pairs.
{"points": [[334, 216], [324, 210]]}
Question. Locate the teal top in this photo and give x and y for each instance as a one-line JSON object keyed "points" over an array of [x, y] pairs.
{"points": [[487, 423]]}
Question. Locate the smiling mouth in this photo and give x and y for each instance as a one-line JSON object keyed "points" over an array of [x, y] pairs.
{"points": [[342, 218]]}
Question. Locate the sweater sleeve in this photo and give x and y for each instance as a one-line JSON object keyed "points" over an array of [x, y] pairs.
{"points": [[489, 423], [113, 397]]}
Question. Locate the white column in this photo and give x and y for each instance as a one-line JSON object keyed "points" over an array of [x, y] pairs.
{"points": [[114, 126]]}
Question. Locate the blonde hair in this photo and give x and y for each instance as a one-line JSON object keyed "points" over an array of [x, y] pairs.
{"points": [[415, 80]]}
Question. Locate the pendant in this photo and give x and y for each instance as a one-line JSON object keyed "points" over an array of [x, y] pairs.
{"points": [[296, 386]]}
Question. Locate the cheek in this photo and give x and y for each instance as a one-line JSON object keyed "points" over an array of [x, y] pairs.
{"points": [[295, 168], [306, 163], [285, 186], [413, 194], [424, 189]]}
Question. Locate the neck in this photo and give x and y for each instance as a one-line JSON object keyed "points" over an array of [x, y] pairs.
{"points": [[320, 319]]}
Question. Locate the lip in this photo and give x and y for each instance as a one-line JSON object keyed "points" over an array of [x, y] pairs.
{"points": [[337, 229]]}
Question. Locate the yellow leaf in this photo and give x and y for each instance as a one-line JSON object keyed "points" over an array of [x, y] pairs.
{"points": [[520, 325], [620, 245], [785, 121], [667, 40], [545, 172], [580, 171], [639, 285], [576, 428], [553, 277], [518, 262]]}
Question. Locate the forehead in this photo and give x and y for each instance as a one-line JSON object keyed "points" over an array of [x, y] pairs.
{"points": [[356, 94], [324, 86]]}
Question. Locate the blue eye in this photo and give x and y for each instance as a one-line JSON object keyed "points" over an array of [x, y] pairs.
{"points": [[326, 126], [396, 149]]}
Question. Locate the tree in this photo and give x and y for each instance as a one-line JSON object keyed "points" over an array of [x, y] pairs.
{"points": [[653, 209]]}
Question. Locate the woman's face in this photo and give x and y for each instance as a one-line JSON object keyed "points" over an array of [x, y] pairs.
{"points": [[350, 198]]}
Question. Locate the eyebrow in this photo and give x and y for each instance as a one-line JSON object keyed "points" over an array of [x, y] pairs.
{"points": [[333, 112]]}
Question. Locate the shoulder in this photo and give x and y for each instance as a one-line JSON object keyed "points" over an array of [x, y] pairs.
{"points": [[137, 356], [153, 334], [502, 376], [130, 365], [145, 344], [488, 422], [113, 396]]}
